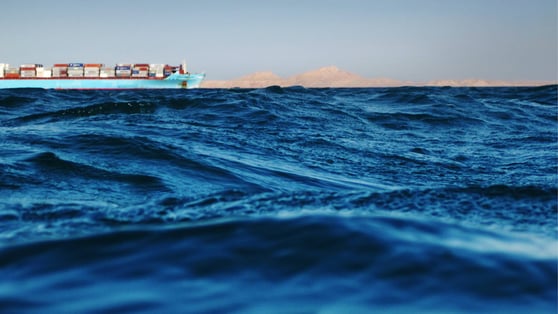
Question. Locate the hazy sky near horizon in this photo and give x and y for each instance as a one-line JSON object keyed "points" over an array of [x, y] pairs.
{"points": [[417, 40]]}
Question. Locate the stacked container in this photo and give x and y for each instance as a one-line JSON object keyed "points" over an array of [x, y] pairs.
{"points": [[60, 70], [11, 72], [140, 70], [3, 67], [92, 70], [107, 72], [27, 70], [39, 70], [168, 70], [75, 70], [156, 70], [47, 72], [123, 70]]}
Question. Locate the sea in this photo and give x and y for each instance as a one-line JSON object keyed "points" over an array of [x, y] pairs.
{"points": [[279, 200]]}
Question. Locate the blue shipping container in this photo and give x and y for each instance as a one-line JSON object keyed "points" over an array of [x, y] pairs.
{"points": [[77, 65]]}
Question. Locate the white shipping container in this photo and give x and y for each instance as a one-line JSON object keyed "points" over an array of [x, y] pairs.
{"points": [[47, 72], [123, 72], [27, 73], [107, 72], [27, 65]]}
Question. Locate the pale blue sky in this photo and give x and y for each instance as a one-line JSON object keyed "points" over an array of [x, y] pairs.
{"points": [[417, 40]]}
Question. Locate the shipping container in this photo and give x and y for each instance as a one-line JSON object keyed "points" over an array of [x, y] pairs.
{"points": [[138, 73], [28, 65], [91, 74], [47, 72], [123, 73], [27, 73], [74, 72], [11, 75], [77, 65], [59, 72], [107, 71]]}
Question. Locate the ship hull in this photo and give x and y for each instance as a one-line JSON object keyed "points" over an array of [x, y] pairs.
{"points": [[174, 81]]}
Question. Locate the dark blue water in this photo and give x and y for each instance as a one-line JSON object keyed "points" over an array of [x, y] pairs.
{"points": [[279, 200]]}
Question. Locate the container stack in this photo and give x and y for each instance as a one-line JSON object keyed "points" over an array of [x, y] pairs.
{"points": [[123, 70], [39, 70], [89, 70], [92, 69], [140, 70], [27, 71], [75, 70], [60, 70], [107, 72], [46, 72], [156, 70], [11, 72], [168, 70], [3, 67]]}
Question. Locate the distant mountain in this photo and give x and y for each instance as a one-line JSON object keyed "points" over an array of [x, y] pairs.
{"points": [[332, 76], [486, 83]]}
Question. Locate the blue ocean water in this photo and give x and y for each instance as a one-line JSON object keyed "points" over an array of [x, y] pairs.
{"points": [[279, 200]]}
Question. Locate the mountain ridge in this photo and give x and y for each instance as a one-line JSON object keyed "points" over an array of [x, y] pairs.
{"points": [[332, 76]]}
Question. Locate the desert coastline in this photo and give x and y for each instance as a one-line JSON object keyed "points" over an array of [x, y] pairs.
{"points": [[332, 76]]}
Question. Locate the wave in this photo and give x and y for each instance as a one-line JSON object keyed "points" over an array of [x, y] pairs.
{"points": [[53, 167], [270, 260], [150, 201]]}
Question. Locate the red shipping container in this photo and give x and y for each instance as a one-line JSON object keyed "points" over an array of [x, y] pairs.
{"points": [[11, 75]]}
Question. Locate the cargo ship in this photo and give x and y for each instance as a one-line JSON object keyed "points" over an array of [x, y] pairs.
{"points": [[98, 76]]}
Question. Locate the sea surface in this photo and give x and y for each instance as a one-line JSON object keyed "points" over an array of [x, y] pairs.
{"points": [[279, 200]]}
